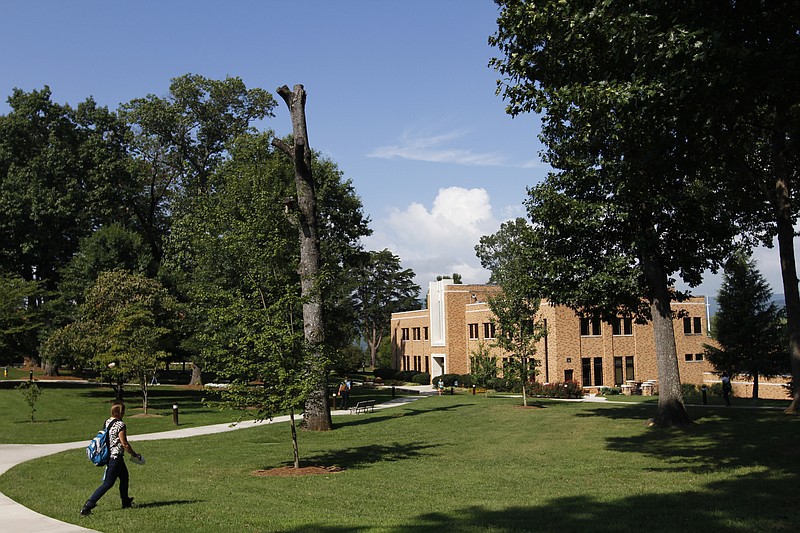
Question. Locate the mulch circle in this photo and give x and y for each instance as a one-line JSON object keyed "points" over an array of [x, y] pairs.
{"points": [[289, 471]]}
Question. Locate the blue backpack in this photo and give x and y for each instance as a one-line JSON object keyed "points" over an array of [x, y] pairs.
{"points": [[99, 448]]}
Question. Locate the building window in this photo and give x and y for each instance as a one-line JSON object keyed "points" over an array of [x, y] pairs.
{"points": [[405, 334], [488, 330], [690, 357], [568, 375], [416, 333], [623, 326], [698, 357], [598, 371], [692, 326], [590, 327], [473, 331], [425, 331], [427, 363], [586, 372], [618, 375], [629, 374]]}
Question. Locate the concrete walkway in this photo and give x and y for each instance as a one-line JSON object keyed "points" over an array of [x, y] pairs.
{"points": [[16, 518]]}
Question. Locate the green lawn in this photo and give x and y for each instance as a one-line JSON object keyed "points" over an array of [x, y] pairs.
{"points": [[454, 463], [67, 412], [70, 412]]}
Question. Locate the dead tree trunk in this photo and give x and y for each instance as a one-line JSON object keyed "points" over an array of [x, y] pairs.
{"points": [[317, 411]]}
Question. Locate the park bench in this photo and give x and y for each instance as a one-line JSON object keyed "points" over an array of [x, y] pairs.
{"points": [[363, 407]]}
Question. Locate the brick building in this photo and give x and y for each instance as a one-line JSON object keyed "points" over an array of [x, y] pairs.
{"points": [[439, 340]]}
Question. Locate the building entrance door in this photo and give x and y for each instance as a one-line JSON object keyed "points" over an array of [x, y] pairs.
{"points": [[437, 366]]}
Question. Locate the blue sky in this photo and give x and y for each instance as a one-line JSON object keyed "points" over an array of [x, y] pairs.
{"points": [[399, 95]]}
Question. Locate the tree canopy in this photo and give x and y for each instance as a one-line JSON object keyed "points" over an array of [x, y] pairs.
{"points": [[621, 87]]}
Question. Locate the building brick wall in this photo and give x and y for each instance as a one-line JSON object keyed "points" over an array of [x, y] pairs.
{"points": [[564, 350]]}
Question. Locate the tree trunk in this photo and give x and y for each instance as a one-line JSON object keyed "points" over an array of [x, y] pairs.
{"points": [[197, 375], [671, 411], [317, 409], [50, 369], [755, 385], [373, 343], [782, 205], [144, 396], [295, 448]]}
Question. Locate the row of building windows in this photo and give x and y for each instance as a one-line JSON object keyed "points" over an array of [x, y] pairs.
{"points": [[691, 357], [591, 327], [415, 363], [416, 334], [489, 330], [592, 371]]}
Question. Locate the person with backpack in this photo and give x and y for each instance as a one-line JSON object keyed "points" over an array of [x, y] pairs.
{"points": [[344, 392], [115, 469]]}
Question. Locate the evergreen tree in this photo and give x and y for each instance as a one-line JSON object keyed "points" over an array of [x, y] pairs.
{"points": [[749, 327]]}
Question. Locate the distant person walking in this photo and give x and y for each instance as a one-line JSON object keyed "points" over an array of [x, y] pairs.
{"points": [[344, 391], [726, 388], [116, 469]]}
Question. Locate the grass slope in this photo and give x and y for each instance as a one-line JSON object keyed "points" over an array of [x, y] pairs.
{"points": [[453, 463]]}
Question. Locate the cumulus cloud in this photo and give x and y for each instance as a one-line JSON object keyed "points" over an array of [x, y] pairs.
{"points": [[440, 239]]}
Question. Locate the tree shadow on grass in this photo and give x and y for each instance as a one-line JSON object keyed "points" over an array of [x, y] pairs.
{"points": [[361, 456], [753, 503], [368, 418], [724, 439]]}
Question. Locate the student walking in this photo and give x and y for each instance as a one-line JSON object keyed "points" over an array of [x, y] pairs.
{"points": [[726, 388], [116, 469]]}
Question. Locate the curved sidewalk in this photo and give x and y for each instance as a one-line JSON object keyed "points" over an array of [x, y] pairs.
{"points": [[16, 517]]}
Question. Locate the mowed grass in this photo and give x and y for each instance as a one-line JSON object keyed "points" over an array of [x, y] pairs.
{"points": [[453, 463], [67, 412], [71, 412]]}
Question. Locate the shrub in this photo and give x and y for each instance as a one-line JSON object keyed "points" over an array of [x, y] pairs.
{"points": [[716, 389], [504, 385], [609, 391], [465, 381], [688, 390], [405, 375], [384, 373], [567, 389], [423, 378], [449, 380]]}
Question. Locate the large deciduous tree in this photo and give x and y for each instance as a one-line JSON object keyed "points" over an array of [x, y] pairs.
{"points": [[630, 203], [385, 288], [123, 329], [64, 172], [748, 325], [752, 55], [181, 140], [18, 321]]}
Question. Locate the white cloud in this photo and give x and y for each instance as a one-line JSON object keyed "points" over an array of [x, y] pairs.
{"points": [[434, 148], [439, 240]]}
